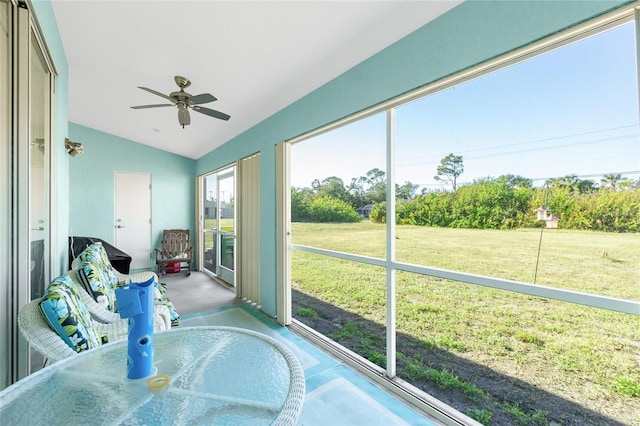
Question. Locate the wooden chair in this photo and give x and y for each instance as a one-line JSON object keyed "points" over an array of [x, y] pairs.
{"points": [[176, 249]]}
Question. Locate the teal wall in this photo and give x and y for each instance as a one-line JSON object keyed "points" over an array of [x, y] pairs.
{"points": [[470, 34], [60, 202], [92, 185]]}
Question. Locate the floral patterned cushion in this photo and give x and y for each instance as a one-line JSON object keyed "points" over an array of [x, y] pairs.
{"points": [[98, 255], [99, 279], [97, 276], [68, 315]]}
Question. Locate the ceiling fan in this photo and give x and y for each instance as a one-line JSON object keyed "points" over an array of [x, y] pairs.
{"points": [[184, 101]]}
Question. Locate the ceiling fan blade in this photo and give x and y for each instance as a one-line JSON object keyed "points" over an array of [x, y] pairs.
{"points": [[162, 95], [212, 113], [151, 106], [183, 117], [203, 98]]}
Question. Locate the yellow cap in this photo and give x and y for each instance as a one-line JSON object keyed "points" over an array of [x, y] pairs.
{"points": [[158, 383]]}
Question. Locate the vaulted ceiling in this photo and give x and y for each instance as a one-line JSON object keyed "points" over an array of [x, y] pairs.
{"points": [[255, 57]]}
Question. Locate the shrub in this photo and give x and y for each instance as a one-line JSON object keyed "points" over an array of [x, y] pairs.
{"points": [[379, 213], [328, 209], [299, 207], [490, 204]]}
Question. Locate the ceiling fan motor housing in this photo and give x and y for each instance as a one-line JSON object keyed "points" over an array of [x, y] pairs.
{"points": [[180, 96]]}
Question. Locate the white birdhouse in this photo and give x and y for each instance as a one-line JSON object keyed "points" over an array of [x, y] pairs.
{"points": [[542, 213], [552, 221]]}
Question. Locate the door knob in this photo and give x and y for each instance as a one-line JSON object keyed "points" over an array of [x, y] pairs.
{"points": [[119, 226]]}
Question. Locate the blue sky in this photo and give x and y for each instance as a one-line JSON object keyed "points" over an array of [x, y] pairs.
{"points": [[570, 111]]}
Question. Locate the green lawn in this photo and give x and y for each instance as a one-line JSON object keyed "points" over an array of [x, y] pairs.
{"points": [[579, 354], [225, 225], [593, 262]]}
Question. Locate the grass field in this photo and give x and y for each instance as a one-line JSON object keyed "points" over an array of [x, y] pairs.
{"points": [[500, 357]]}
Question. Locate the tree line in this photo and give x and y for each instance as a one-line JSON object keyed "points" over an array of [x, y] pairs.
{"points": [[505, 202]]}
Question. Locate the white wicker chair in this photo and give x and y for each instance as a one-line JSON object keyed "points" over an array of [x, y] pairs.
{"points": [[144, 276], [161, 317], [136, 277], [42, 338]]}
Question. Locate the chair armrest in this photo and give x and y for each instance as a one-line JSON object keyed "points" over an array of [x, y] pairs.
{"points": [[114, 331], [40, 336], [119, 330], [144, 276], [137, 277], [98, 312], [161, 318], [104, 316], [122, 278]]}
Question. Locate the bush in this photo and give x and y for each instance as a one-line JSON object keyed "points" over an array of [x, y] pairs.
{"points": [[603, 210], [378, 213], [490, 204], [329, 209], [606, 210], [299, 207]]}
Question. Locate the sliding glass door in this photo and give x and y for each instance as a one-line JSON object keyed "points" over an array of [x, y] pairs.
{"points": [[226, 226], [39, 169], [218, 224], [6, 244], [27, 76]]}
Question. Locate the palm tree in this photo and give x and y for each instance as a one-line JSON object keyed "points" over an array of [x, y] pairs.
{"points": [[611, 181]]}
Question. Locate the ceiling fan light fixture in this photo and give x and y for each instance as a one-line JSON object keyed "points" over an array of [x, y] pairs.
{"points": [[183, 116]]}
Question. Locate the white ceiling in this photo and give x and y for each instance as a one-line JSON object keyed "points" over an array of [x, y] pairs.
{"points": [[256, 57]]}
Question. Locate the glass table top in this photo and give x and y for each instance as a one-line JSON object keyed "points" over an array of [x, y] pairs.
{"points": [[218, 375]]}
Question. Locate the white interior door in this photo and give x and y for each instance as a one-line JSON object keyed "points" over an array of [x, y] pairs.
{"points": [[133, 217]]}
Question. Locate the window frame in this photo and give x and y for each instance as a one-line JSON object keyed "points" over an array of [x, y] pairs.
{"points": [[574, 34], [571, 35]]}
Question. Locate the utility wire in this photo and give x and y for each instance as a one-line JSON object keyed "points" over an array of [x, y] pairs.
{"points": [[534, 141], [541, 148]]}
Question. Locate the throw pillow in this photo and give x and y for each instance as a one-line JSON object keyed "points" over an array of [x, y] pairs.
{"points": [[97, 275], [98, 254], [68, 316], [97, 283]]}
